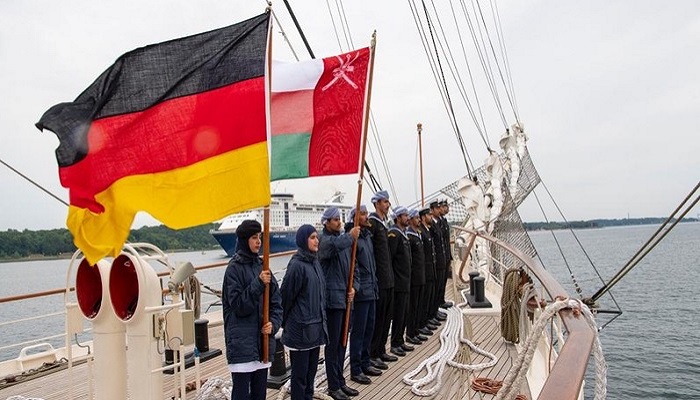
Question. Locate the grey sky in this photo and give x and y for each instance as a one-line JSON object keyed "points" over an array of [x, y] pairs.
{"points": [[608, 91]]}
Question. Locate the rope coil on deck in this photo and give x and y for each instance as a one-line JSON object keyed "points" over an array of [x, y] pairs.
{"points": [[515, 376], [451, 336]]}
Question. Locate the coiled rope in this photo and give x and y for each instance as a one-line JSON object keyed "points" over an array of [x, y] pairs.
{"points": [[510, 306], [215, 389], [451, 336], [515, 376]]}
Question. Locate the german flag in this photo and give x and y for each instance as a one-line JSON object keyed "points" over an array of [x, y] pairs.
{"points": [[176, 129]]}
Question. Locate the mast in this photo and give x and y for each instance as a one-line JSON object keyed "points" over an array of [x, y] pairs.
{"points": [[420, 159]]}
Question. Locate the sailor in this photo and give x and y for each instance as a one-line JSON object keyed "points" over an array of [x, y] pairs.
{"points": [[303, 300], [364, 305], [444, 209], [417, 279], [335, 263], [428, 309], [436, 232], [385, 281], [400, 250], [242, 299]]}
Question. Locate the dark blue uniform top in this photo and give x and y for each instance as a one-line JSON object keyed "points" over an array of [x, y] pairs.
{"points": [[417, 257], [400, 251], [429, 253], [242, 298], [304, 302], [382, 259], [334, 252], [365, 267]]}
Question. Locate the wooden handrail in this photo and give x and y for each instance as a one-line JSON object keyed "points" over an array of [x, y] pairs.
{"points": [[565, 380]]}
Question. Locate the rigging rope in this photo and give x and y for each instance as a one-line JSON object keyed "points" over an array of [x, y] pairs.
{"points": [[460, 140], [651, 243]]}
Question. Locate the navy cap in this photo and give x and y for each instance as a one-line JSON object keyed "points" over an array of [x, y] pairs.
{"points": [[380, 195], [413, 213], [424, 211], [330, 213]]}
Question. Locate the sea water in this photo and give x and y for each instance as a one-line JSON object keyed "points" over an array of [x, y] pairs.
{"points": [[651, 349]]}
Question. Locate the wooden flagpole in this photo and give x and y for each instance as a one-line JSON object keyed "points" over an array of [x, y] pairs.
{"points": [[420, 159], [346, 325], [266, 211], [266, 296]]}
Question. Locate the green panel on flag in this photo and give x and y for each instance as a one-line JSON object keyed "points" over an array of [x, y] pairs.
{"points": [[290, 156]]}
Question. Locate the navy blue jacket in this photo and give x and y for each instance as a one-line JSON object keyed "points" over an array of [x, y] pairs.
{"points": [[335, 263], [303, 299], [382, 258], [429, 253], [242, 298], [417, 257], [446, 240], [436, 232], [365, 268], [400, 251]]}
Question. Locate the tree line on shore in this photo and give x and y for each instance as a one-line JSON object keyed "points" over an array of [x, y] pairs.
{"points": [[58, 242]]}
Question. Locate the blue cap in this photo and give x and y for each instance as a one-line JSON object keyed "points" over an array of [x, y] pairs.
{"points": [[413, 213], [399, 211], [423, 211], [351, 216], [330, 213], [380, 195]]}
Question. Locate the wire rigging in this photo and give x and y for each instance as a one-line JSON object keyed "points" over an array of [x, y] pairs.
{"points": [[655, 238]]}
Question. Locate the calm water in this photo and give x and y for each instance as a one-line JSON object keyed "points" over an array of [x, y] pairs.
{"points": [[651, 349]]}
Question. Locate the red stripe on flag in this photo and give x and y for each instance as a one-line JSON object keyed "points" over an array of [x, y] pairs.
{"points": [[170, 135], [338, 105]]}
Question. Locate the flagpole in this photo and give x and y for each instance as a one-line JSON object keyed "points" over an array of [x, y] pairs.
{"points": [[266, 296], [266, 210], [420, 158], [351, 278]]}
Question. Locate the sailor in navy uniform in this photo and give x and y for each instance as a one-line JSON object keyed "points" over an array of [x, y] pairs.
{"points": [[428, 324], [400, 250], [437, 232], [444, 209], [415, 317], [385, 281]]}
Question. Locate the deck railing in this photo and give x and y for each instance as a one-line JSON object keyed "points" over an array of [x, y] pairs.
{"points": [[566, 377]]}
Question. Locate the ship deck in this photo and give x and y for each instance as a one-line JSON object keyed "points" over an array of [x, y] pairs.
{"points": [[485, 333]]}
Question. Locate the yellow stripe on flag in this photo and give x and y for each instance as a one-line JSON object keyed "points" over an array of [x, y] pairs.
{"points": [[197, 194]]}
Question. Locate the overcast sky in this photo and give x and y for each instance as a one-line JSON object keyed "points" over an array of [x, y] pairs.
{"points": [[609, 93]]}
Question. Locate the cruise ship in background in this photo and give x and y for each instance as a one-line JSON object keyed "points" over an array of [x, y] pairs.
{"points": [[286, 216]]}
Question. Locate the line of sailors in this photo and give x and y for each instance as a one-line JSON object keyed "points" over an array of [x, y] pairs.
{"points": [[398, 285]]}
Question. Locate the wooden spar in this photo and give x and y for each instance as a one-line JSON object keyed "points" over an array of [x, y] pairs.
{"points": [[266, 296], [356, 222], [420, 159]]}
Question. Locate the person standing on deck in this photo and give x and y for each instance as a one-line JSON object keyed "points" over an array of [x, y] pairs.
{"points": [[335, 263], [437, 234], [400, 250], [304, 320], [242, 299], [428, 308], [385, 280], [444, 209], [364, 306], [414, 317]]}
